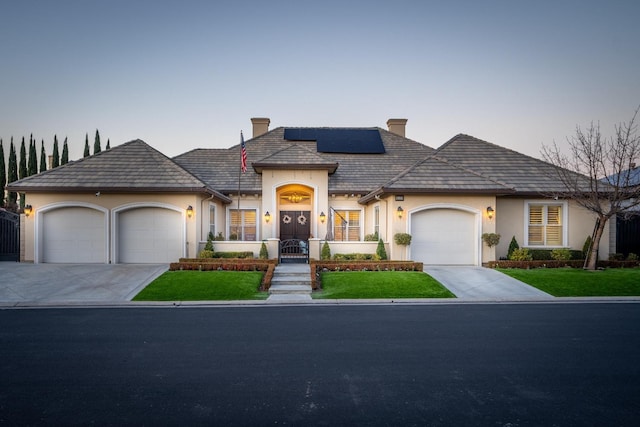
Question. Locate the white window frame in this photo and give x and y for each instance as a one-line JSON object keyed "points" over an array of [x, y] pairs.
{"points": [[565, 222], [361, 226], [376, 220], [229, 211], [212, 215]]}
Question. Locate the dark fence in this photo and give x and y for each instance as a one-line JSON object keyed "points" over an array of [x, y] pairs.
{"points": [[9, 236], [628, 235], [294, 250]]}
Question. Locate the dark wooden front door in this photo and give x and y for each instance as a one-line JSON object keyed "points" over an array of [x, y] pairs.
{"points": [[295, 225]]}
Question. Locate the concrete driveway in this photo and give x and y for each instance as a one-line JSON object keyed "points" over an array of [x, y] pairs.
{"points": [[69, 283], [479, 283]]}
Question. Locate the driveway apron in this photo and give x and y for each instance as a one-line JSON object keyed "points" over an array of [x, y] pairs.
{"points": [[64, 283], [479, 283]]}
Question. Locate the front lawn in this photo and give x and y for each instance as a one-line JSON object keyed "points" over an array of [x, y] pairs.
{"points": [[203, 286], [574, 282], [380, 284]]}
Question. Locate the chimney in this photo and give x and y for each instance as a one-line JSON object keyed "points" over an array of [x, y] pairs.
{"points": [[50, 161], [260, 125], [397, 126]]}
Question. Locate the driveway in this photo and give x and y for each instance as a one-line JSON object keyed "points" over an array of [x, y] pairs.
{"points": [[479, 283], [69, 283]]}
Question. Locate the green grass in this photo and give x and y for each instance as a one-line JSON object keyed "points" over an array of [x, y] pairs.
{"points": [[380, 284], [203, 286], [574, 282]]}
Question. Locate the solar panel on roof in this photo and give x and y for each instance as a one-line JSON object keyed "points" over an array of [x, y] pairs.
{"points": [[346, 141]]}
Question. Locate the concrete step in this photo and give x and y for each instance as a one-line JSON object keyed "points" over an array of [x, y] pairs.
{"points": [[290, 289], [289, 298], [291, 279], [292, 268]]}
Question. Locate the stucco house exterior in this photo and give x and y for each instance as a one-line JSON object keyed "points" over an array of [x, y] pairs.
{"points": [[132, 204]]}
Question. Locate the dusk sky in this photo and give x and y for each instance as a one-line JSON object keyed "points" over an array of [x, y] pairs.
{"points": [[190, 74]]}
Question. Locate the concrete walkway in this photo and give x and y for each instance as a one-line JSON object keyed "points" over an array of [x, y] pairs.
{"points": [[73, 283], [479, 283]]}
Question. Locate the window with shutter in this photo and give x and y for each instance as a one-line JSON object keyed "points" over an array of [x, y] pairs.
{"points": [[545, 225]]}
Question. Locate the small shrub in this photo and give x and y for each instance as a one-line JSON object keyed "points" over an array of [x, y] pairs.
{"points": [[403, 239], [381, 251], [264, 252], [561, 254], [512, 246], [325, 254], [371, 237], [632, 257], [521, 255], [205, 254], [491, 239], [233, 236], [586, 247], [229, 255], [209, 245], [616, 257], [219, 237]]}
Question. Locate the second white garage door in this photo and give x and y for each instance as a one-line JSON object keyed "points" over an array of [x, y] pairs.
{"points": [[150, 235], [444, 237]]}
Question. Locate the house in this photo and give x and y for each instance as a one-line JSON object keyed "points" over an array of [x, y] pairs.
{"points": [[132, 204], [625, 227]]}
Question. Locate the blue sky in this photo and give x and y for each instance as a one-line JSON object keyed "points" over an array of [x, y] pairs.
{"points": [[190, 74]]}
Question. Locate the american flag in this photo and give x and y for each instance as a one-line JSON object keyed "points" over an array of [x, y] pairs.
{"points": [[243, 154]]}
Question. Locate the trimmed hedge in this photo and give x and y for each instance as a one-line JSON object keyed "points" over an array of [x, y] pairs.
{"points": [[204, 254], [545, 254], [317, 266]]}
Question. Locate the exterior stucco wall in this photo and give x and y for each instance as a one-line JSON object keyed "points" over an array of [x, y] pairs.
{"points": [[510, 217], [110, 204]]}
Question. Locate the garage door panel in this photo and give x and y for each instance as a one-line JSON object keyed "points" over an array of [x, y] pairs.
{"points": [[444, 236], [150, 235], [73, 235]]}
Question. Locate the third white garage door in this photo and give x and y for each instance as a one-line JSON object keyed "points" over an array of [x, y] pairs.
{"points": [[444, 237], [150, 235]]}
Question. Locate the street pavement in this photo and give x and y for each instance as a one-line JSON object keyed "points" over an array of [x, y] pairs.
{"points": [[380, 365]]}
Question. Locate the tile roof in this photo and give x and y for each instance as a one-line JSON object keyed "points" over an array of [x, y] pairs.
{"points": [[526, 175], [294, 157], [133, 166], [357, 173]]}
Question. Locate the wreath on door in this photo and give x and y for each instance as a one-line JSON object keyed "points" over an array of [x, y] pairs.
{"points": [[302, 220], [286, 219]]}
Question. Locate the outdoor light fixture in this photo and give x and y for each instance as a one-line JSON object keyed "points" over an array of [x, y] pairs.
{"points": [[189, 211], [28, 209], [490, 212], [267, 217], [400, 212], [323, 217]]}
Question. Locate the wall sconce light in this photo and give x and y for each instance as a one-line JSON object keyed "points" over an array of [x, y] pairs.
{"points": [[323, 217], [267, 217], [28, 209], [189, 211], [490, 212], [400, 212]]}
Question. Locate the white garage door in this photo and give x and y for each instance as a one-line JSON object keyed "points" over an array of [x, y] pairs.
{"points": [[150, 235], [444, 237], [73, 235]]}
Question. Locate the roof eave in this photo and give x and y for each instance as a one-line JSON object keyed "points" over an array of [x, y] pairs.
{"points": [[330, 167]]}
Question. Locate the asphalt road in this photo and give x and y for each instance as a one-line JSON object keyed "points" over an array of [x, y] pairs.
{"points": [[439, 365]]}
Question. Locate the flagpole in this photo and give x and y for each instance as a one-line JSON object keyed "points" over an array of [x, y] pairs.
{"points": [[241, 169]]}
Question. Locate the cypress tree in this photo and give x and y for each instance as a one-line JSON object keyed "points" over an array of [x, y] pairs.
{"points": [[33, 158], [86, 146], [108, 147], [43, 158], [65, 153], [96, 145], [13, 172], [3, 174], [22, 171], [56, 153]]}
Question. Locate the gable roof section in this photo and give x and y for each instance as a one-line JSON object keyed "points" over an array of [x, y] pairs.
{"points": [[130, 167], [294, 157], [526, 175]]}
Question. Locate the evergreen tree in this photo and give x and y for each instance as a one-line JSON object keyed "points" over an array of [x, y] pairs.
{"points": [[33, 158], [22, 171], [3, 174], [65, 153], [96, 145], [43, 158], [13, 172], [108, 144], [56, 153], [87, 153]]}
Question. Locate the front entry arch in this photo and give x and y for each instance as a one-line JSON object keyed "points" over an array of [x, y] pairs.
{"points": [[295, 207]]}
